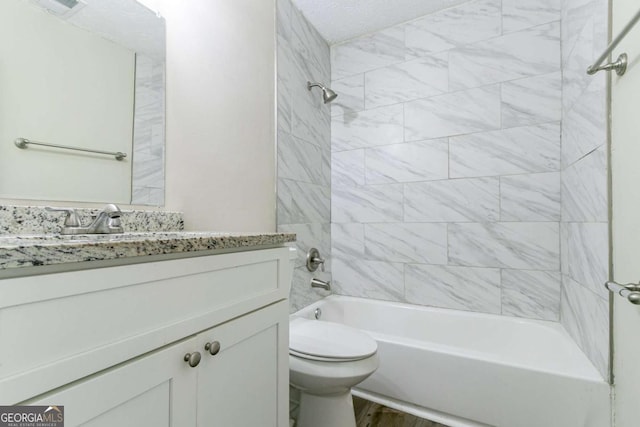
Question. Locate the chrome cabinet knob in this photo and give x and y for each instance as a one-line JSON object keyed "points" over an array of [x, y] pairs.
{"points": [[193, 359], [212, 347]]}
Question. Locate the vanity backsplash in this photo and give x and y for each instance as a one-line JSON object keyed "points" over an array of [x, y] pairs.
{"points": [[36, 220]]}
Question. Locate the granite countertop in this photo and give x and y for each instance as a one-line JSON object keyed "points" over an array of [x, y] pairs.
{"points": [[18, 251]]}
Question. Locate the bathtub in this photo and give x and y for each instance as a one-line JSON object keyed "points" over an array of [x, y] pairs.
{"points": [[466, 369]]}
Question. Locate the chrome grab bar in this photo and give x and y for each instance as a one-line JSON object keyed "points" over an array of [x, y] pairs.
{"points": [[24, 143], [630, 291], [620, 65]]}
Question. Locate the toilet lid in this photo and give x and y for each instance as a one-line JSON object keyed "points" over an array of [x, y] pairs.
{"points": [[320, 339]]}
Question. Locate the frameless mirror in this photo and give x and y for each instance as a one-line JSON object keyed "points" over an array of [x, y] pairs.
{"points": [[89, 75]]}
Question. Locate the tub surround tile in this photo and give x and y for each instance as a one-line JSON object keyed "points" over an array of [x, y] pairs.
{"points": [[517, 245], [302, 294], [308, 236], [460, 200], [588, 255], [367, 129], [521, 14], [298, 160], [585, 315], [379, 203], [422, 243], [419, 78], [348, 168], [527, 149], [468, 23], [347, 241], [503, 58], [408, 162], [584, 189], [368, 53], [534, 197], [454, 113], [350, 98], [460, 288], [532, 100], [531, 294], [584, 126], [302, 203], [369, 279]]}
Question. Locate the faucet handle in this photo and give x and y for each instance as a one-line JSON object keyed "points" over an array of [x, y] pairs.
{"points": [[71, 220], [314, 260]]}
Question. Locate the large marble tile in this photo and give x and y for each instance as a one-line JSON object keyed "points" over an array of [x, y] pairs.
{"points": [[532, 100], [460, 288], [379, 203], [585, 316], [458, 200], [350, 98], [407, 81], [367, 53], [422, 243], [298, 160], [468, 23], [365, 129], [313, 235], [408, 162], [347, 168], [534, 197], [369, 279], [529, 52], [286, 76], [531, 294], [347, 241], [302, 294], [517, 245], [584, 126], [456, 113], [575, 17], [575, 80], [302, 203], [584, 189], [284, 9], [588, 255], [527, 149], [521, 14], [309, 44]]}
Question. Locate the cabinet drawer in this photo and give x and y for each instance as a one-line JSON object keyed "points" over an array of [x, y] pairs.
{"points": [[60, 327]]}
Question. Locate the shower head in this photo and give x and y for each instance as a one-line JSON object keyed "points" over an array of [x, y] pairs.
{"points": [[327, 94]]}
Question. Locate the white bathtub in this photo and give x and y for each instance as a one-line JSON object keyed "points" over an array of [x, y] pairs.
{"points": [[468, 370]]}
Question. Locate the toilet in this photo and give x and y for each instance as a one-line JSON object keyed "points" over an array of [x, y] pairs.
{"points": [[326, 359]]}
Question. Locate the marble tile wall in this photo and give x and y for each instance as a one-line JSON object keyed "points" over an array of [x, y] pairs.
{"points": [[148, 133], [584, 214], [446, 161], [304, 147]]}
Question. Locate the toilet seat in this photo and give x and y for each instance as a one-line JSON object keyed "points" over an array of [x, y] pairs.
{"points": [[328, 342]]}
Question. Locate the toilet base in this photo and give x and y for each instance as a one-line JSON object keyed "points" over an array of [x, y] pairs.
{"points": [[335, 410]]}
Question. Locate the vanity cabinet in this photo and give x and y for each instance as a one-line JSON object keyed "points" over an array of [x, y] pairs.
{"points": [[110, 344]]}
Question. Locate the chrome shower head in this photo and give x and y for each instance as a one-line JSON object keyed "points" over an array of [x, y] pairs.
{"points": [[327, 94]]}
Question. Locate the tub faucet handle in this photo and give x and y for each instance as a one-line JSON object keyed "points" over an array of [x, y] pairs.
{"points": [[314, 260]]}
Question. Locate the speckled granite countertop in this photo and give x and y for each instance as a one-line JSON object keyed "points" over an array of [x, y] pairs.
{"points": [[40, 250]]}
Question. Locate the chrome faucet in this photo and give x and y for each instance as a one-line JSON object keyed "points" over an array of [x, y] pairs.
{"points": [[317, 283], [106, 222]]}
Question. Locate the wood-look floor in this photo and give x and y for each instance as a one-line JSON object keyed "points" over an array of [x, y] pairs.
{"points": [[369, 414]]}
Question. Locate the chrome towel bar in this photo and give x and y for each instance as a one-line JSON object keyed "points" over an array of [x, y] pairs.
{"points": [[24, 143], [620, 65]]}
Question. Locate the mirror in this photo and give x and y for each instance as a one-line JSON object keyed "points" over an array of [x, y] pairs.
{"points": [[87, 74]]}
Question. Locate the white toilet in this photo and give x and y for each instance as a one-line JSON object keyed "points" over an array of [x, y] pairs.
{"points": [[325, 360]]}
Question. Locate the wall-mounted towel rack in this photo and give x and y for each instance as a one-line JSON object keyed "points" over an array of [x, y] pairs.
{"points": [[24, 143], [620, 65]]}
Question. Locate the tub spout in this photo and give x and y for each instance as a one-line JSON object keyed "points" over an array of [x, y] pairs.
{"points": [[317, 283]]}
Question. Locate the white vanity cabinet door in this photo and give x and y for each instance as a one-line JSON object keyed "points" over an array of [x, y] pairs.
{"points": [[155, 390], [246, 383]]}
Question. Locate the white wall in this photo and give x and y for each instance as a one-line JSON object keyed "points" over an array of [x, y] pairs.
{"points": [[51, 92], [221, 112]]}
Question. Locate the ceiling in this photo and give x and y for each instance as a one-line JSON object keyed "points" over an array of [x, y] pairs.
{"points": [[340, 20]]}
